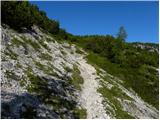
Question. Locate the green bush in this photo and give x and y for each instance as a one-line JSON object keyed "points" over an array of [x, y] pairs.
{"points": [[19, 14]]}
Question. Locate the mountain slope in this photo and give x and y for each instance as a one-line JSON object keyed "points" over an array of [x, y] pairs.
{"points": [[46, 78]]}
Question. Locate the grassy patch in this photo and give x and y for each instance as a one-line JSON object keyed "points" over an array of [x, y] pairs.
{"points": [[111, 96], [68, 69], [72, 52], [139, 79], [10, 53], [36, 82], [45, 56], [63, 52], [48, 69], [50, 40], [18, 65], [17, 42], [76, 79], [62, 106], [44, 45], [22, 83], [80, 113], [10, 74], [51, 70], [40, 66], [79, 51], [32, 43], [35, 45]]}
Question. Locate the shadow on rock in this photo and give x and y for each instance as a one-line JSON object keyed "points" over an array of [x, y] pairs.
{"points": [[24, 106]]}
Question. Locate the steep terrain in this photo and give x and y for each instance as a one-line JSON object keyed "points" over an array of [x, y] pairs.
{"points": [[46, 78]]}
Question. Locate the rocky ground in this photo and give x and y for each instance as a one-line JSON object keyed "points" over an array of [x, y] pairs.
{"points": [[45, 78]]}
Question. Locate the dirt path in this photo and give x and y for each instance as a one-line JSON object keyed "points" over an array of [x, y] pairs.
{"points": [[90, 99]]}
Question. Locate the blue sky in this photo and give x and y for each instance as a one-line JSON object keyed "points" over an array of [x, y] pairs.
{"points": [[140, 19]]}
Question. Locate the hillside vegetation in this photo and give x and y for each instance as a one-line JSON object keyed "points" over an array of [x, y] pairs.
{"points": [[20, 15], [38, 53], [136, 66]]}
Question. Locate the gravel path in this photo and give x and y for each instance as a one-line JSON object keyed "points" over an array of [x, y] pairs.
{"points": [[90, 99]]}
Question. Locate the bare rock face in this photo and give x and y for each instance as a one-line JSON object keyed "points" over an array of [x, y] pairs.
{"points": [[42, 78]]}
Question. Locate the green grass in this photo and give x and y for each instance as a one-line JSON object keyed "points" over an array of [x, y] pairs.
{"points": [[137, 78], [47, 69], [32, 43], [68, 69], [79, 51], [80, 113], [35, 45], [17, 42], [22, 82], [72, 52], [40, 66], [63, 52], [111, 95], [10, 74], [10, 53], [125, 62], [18, 65], [25, 41], [37, 83], [58, 102], [76, 80], [45, 56], [49, 40], [44, 45]]}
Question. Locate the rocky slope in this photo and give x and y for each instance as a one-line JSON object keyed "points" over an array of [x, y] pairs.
{"points": [[45, 78], [147, 46]]}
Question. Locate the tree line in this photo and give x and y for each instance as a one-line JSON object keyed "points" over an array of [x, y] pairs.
{"points": [[18, 14]]}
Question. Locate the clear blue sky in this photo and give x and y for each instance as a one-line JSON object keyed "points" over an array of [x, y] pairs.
{"points": [[140, 19]]}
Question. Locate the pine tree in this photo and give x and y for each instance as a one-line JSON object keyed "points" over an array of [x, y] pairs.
{"points": [[122, 34]]}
